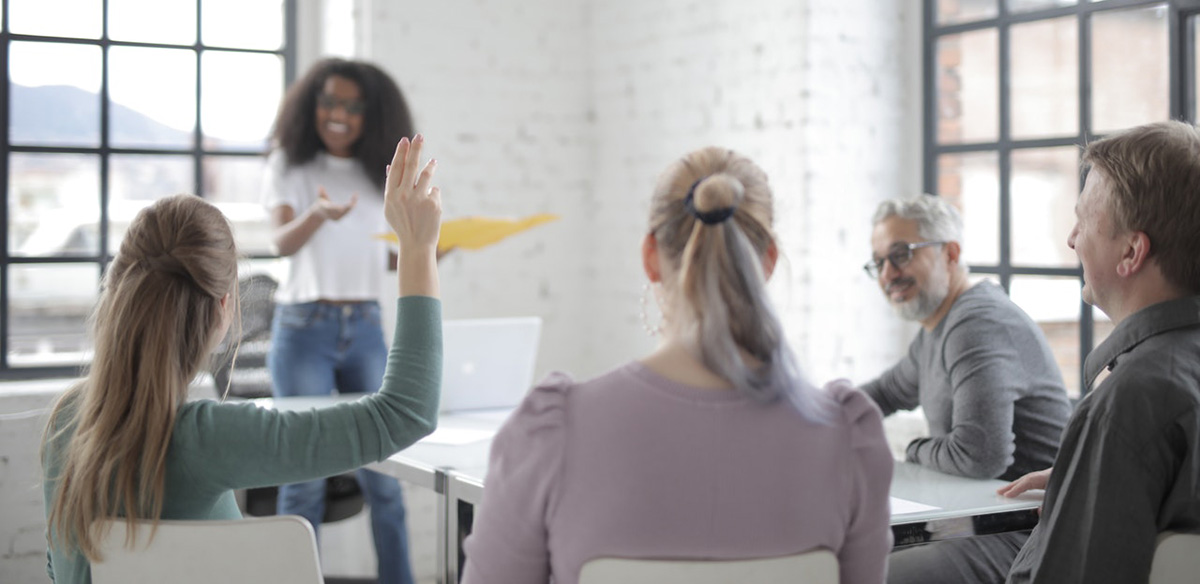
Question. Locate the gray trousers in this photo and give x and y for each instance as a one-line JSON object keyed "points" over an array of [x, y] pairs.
{"points": [[980, 559]]}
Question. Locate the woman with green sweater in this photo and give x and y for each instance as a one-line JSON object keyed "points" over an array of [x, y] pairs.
{"points": [[125, 442]]}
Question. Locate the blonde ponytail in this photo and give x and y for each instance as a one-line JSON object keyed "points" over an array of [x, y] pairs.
{"points": [[711, 216]]}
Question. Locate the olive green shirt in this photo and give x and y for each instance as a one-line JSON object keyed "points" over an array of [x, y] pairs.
{"points": [[219, 447]]}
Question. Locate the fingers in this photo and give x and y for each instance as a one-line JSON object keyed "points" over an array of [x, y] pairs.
{"points": [[1033, 480], [322, 194], [398, 163], [411, 159], [426, 177], [1015, 488]]}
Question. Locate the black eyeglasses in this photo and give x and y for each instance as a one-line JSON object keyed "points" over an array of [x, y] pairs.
{"points": [[901, 254], [353, 107]]}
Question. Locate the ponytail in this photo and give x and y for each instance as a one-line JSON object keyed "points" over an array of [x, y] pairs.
{"points": [[717, 231]]}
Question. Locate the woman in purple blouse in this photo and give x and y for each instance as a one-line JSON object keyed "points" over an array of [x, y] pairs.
{"points": [[713, 446]]}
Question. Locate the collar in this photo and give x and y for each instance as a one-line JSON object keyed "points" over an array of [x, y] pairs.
{"points": [[1139, 326]]}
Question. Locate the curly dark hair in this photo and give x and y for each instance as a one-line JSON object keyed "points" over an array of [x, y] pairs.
{"points": [[385, 120]]}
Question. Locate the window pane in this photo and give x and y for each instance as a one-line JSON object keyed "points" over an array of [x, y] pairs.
{"points": [[972, 183], [240, 93], [1045, 184], [153, 21], [153, 96], [1029, 5], [148, 177], [1045, 78], [1195, 33], [53, 204], [232, 183], [65, 18], [955, 11], [243, 24], [1130, 82], [48, 307], [1103, 326], [1053, 303], [968, 87], [55, 94]]}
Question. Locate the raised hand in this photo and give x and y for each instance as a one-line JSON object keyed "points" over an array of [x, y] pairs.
{"points": [[414, 210], [411, 205]]}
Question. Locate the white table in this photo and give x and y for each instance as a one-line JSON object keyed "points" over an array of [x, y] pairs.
{"points": [[453, 463], [956, 507]]}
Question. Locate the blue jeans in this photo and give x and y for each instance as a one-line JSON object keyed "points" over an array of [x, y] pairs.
{"points": [[315, 349]]}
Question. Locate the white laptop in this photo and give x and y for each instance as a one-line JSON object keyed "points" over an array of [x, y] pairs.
{"points": [[488, 362]]}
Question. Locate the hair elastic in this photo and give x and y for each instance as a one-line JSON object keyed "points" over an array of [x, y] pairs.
{"points": [[706, 217]]}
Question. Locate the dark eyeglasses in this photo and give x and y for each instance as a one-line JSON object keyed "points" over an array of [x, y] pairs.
{"points": [[353, 107], [901, 254]]}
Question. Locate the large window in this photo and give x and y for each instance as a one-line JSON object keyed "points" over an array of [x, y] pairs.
{"points": [[107, 106], [1013, 89]]}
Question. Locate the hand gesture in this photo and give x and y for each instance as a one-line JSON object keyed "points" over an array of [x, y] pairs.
{"points": [[327, 209], [412, 207], [1029, 482]]}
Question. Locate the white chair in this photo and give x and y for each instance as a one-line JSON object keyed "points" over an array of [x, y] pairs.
{"points": [[280, 548], [815, 567], [1176, 559]]}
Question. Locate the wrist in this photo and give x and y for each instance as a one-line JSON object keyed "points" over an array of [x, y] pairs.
{"points": [[417, 252]]}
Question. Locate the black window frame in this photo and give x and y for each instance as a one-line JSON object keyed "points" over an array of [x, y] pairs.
{"points": [[287, 52], [1182, 106]]}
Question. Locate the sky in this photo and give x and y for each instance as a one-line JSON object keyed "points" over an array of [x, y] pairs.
{"points": [[241, 91]]}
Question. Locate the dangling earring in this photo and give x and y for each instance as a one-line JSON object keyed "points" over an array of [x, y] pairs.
{"points": [[656, 329]]}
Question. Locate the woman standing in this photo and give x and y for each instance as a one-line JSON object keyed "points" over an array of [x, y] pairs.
{"points": [[331, 141]]}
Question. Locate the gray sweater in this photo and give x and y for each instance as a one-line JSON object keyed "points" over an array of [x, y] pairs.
{"points": [[990, 388]]}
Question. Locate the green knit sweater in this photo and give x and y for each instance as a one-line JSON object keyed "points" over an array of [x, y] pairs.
{"points": [[219, 447]]}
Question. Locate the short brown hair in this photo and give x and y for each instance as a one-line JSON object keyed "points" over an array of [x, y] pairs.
{"points": [[1154, 173]]}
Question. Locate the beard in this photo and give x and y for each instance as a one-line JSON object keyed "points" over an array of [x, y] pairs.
{"points": [[928, 299]]}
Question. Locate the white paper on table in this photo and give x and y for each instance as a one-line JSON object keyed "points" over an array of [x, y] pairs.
{"points": [[457, 436], [904, 506]]}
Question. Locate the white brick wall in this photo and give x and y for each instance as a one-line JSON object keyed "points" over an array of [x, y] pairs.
{"points": [[501, 90], [574, 106]]}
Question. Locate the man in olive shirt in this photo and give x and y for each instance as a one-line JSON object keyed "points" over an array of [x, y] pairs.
{"points": [[1128, 468]]}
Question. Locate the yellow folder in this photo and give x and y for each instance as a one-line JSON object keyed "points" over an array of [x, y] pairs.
{"points": [[479, 232]]}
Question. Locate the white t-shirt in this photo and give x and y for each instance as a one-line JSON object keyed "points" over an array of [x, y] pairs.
{"points": [[344, 259]]}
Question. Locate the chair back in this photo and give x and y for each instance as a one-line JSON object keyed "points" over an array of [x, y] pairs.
{"points": [[1176, 559], [814, 567], [247, 377], [281, 548]]}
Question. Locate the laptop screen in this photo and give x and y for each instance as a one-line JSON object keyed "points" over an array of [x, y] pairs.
{"points": [[488, 362]]}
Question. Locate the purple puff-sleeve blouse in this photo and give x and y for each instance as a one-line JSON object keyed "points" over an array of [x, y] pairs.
{"points": [[631, 464]]}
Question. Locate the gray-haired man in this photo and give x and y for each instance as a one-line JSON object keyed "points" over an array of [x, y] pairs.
{"points": [[980, 368]]}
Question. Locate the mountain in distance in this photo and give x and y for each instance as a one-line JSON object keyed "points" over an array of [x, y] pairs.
{"points": [[62, 115]]}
